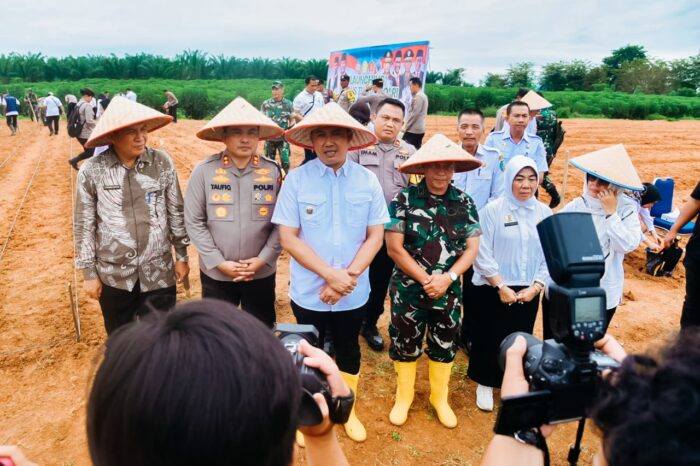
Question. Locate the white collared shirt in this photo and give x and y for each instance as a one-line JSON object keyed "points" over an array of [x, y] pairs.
{"points": [[486, 182], [332, 211], [306, 104], [510, 245], [53, 105], [131, 95]]}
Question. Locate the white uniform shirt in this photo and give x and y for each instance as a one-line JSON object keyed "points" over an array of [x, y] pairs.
{"points": [[618, 235], [53, 106], [485, 183], [332, 211], [131, 95], [305, 103]]}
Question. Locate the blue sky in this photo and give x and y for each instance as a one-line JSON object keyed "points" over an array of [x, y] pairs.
{"points": [[480, 37]]}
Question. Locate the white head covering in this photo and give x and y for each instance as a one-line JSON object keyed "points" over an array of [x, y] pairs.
{"points": [[514, 166]]}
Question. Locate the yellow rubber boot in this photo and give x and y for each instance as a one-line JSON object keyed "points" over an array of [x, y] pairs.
{"points": [[405, 380], [439, 373], [354, 428], [300, 439]]}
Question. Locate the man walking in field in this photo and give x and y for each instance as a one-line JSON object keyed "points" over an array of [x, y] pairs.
{"points": [[281, 111], [171, 104]]}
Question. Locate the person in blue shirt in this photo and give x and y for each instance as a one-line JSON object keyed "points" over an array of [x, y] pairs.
{"points": [[11, 105], [515, 140], [331, 214]]}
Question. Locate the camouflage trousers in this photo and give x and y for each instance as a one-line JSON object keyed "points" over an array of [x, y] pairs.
{"points": [[413, 312], [281, 146]]}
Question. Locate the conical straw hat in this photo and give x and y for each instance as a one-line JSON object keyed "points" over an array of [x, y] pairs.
{"points": [[611, 164], [330, 115], [239, 113], [535, 101], [440, 149], [122, 113]]}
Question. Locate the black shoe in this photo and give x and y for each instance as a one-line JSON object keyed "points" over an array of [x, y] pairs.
{"points": [[465, 346], [556, 198], [371, 334], [74, 164]]}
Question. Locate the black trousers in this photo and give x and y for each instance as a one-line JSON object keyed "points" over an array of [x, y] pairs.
{"points": [[172, 111], [415, 139], [468, 308], [691, 305], [52, 123], [85, 154], [257, 297], [309, 155], [344, 327], [493, 322], [547, 312], [11, 121], [379, 276], [119, 307]]}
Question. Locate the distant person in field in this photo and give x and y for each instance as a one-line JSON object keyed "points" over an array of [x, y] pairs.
{"points": [[32, 104], [53, 108], [415, 118], [129, 216], [228, 207], [305, 104], [87, 119], [346, 97], [326, 92], [71, 102], [131, 95], [11, 105], [171, 105], [281, 111], [373, 95], [102, 103], [501, 114]]}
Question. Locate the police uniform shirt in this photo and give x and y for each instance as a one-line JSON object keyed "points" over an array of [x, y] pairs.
{"points": [[384, 160], [228, 213], [332, 211], [530, 146], [485, 183]]}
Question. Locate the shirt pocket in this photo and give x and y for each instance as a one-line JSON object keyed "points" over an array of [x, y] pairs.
{"points": [[312, 210], [457, 224], [357, 207], [263, 204], [399, 178], [220, 206], [368, 159]]}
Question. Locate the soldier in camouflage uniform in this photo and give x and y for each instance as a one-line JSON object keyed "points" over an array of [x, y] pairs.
{"points": [[281, 111], [433, 238], [550, 130]]}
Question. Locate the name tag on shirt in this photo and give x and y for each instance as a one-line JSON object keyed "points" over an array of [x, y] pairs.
{"points": [[510, 221], [110, 187]]}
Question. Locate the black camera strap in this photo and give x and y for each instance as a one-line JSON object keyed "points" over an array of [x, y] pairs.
{"points": [[575, 450]]}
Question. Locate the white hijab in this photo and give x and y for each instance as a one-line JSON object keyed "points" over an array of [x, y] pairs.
{"points": [[515, 166]]}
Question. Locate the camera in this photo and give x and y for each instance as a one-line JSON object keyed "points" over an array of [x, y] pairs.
{"points": [[563, 372], [312, 380]]}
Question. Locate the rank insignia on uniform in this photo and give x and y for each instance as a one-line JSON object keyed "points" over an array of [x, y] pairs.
{"points": [[484, 165], [226, 197], [263, 211], [268, 197], [216, 197], [227, 161], [263, 171], [263, 179], [403, 151], [370, 147], [220, 171], [309, 210], [255, 161], [221, 179], [257, 196], [221, 212], [397, 143]]}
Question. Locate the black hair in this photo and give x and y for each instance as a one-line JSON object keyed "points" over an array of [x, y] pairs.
{"points": [[416, 81], [515, 103], [471, 111], [205, 383], [648, 410], [310, 78], [321, 81], [360, 113], [522, 92], [394, 102]]}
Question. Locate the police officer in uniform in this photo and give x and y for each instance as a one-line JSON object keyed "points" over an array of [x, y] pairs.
{"points": [[384, 160], [228, 207], [433, 237]]}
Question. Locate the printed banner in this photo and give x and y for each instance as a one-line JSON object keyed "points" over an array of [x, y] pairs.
{"points": [[395, 63]]}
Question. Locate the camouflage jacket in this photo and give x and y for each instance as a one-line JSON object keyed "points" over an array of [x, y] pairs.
{"points": [[435, 228], [279, 111], [546, 128]]}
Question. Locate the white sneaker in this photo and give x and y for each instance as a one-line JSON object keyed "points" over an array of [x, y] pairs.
{"points": [[484, 398]]}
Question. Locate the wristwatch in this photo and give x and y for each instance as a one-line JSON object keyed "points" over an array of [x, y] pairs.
{"points": [[500, 285], [453, 276], [340, 408]]}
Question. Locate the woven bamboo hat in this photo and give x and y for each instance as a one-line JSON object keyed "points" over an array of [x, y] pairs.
{"points": [[611, 164], [122, 113], [239, 113], [330, 115], [535, 101], [440, 149]]}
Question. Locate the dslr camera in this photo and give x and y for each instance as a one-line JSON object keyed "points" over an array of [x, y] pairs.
{"points": [[312, 380], [563, 372]]}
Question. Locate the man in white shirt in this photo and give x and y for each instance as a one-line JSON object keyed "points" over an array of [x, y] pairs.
{"points": [[131, 95], [305, 104], [53, 109]]}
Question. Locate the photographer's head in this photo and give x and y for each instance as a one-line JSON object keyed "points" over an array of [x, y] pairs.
{"points": [[203, 384], [648, 410]]}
